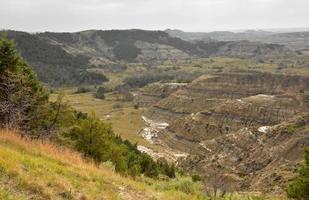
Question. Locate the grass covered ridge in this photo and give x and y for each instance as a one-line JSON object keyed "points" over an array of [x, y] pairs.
{"points": [[41, 170]]}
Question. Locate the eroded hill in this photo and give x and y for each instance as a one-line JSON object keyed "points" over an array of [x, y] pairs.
{"points": [[249, 129]]}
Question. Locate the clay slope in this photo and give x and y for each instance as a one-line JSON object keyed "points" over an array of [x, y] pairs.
{"points": [[241, 127], [221, 103], [254, 159]]}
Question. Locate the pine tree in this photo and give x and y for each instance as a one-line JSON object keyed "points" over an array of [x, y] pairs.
{"points": [[21, 95], [299, 188]]}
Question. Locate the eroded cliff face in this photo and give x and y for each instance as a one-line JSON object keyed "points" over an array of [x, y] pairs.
{"points": [[207, 92], [219, 104], [242, 131], [254, 159], [153, 93], [233, 114]]}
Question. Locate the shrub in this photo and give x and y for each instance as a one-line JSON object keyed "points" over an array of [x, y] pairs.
{"points": [[196, 178], [165, 168], [92, 137], [299, 188], [148, 166], [100, 94], [184, 184]]}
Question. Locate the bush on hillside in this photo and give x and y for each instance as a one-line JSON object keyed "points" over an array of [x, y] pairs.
{"points": [[184, 184], [165, 168], [299, 188], [136, 106], [196, 178], [100, 94]]}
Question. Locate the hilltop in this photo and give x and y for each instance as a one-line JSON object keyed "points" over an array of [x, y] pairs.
{"points": [[296, 39], [67, 58]]}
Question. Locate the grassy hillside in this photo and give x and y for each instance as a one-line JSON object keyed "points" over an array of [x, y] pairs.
{"points": [[36, 170]]}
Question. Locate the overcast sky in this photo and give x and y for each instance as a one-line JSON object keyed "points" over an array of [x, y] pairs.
{"points": [[188, 15]]}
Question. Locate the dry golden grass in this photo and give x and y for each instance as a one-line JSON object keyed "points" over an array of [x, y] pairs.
{"points": [[34, 169], [42, 147], [52, 171]]}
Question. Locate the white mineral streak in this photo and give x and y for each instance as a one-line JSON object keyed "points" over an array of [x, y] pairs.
{"points": [[263, 129]]}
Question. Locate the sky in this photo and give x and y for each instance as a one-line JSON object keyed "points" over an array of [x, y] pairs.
{"points": [[187, 15]]}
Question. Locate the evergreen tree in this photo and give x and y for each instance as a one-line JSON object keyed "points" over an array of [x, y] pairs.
{"points": [[93, 138], [299, 188], [21, 95]]}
